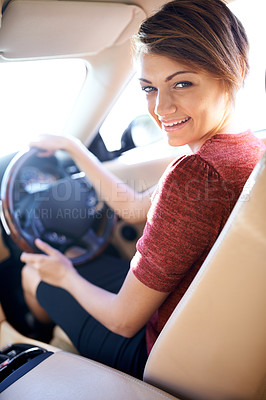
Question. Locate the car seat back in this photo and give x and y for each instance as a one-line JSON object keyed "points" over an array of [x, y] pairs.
{"points": [[214, 345]]}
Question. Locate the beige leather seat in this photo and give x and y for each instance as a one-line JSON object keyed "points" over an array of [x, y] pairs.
{"points": [[214, 345]]}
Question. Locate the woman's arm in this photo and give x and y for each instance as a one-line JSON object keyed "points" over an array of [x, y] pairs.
{"points": [[124, 313], [127, 203]]}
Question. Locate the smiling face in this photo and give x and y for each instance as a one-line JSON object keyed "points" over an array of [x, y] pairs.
{"points": [[190, 106]]}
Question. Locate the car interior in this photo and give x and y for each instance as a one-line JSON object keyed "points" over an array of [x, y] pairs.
{"points": [[214, 345]]}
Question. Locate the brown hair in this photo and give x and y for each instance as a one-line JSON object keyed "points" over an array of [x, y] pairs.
{"points": [[204, 34]]}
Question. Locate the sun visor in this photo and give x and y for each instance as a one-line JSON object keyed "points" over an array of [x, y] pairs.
{"points": [[34, 29]]}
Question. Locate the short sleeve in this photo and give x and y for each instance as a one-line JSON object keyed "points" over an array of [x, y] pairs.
{"points": [[188, 210]]}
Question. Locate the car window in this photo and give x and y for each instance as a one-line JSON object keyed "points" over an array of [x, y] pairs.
{"points": [[250, 102], [37, 97]]}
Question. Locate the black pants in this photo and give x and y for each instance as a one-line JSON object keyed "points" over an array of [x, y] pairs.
{"points": [[91, 338]]}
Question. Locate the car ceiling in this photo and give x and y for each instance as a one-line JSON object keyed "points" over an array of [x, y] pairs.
{"points": [[29, 26], [148, 6]]}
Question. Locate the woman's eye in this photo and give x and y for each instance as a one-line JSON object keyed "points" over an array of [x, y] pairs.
{"points": [[181, 85], [148, 89]]}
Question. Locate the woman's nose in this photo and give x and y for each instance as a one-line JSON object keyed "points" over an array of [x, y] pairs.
{"points": [[164, 105]]}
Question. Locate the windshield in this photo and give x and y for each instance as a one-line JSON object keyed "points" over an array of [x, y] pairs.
{"points": [[37, 97]]}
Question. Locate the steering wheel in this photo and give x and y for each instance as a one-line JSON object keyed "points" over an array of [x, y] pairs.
{"points": [[42, 198]]}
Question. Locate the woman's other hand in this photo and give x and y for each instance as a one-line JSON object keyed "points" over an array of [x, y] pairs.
{"points": [[53, 267]]}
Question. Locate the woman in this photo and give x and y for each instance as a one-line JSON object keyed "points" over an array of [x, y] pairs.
{"points": [[192, 58]]}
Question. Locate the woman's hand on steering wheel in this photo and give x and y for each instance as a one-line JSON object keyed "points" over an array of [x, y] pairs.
{"points": [[53, 267], [49, 144]]}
